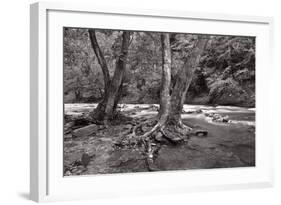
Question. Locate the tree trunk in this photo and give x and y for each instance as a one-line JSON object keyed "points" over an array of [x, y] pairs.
{"points": [[77, 95], [116, 81], [101, 59], [169, 117], [183, 80], [118, 97], [165, 86], [166, 78], [106, 108]]}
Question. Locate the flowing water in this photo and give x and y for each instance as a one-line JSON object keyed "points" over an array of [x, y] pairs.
{"points": [[240, 115]]}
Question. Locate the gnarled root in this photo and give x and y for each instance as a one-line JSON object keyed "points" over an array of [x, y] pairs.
{"points": [[149, 135], [132, 138], [183, 126], [175, 134], [151, 153], [159, 133]]}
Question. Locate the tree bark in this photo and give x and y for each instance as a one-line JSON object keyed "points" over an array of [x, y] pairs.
{"points": [[169, 122], [165, 86], [106, 108], [118, 97], [183, 80], [165, 101], [116, 81], [101, 59]]}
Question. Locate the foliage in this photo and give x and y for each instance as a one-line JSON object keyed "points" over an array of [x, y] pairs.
{"points": [[230, 60], [227, 92], [226, 68]]}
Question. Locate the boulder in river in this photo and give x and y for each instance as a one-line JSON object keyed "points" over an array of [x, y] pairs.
{"points": [[215, 117]]}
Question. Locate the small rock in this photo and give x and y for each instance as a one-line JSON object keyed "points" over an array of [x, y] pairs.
{"points": [[154, 108], [76, 163], [79, 171], [159, 137], [74, 170], [85, 131], [68, 125], [101, 127], [217, 117], [225, 119], [128, 126], [67, 128], [174, 139], [67, 136], [201, 133], [85, 159]]}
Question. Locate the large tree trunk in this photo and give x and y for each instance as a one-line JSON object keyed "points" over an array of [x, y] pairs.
{"points": [[116, 81], [165, 86], [169, 117], [106, 108], [164, 101], [166, 79], [183, 80]]}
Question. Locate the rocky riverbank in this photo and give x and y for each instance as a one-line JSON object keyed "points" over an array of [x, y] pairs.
{"points": [[95, 149]]}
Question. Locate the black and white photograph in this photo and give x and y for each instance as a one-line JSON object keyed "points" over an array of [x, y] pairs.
{"points": [[143, 101]]}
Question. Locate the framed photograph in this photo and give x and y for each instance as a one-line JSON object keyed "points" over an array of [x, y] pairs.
{"points": [[127, 102]]}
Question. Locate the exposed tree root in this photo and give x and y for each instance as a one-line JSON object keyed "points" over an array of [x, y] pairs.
{"points": [[160, 134], [183, 126], [146, 135], [140, 127], [151, 152], [150, 134], [175, 134]]}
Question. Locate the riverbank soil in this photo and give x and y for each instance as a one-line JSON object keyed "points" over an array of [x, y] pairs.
{"points": [[98, 149]]}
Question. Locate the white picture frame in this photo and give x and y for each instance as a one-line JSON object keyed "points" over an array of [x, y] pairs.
{"points": [[46, 179]]}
